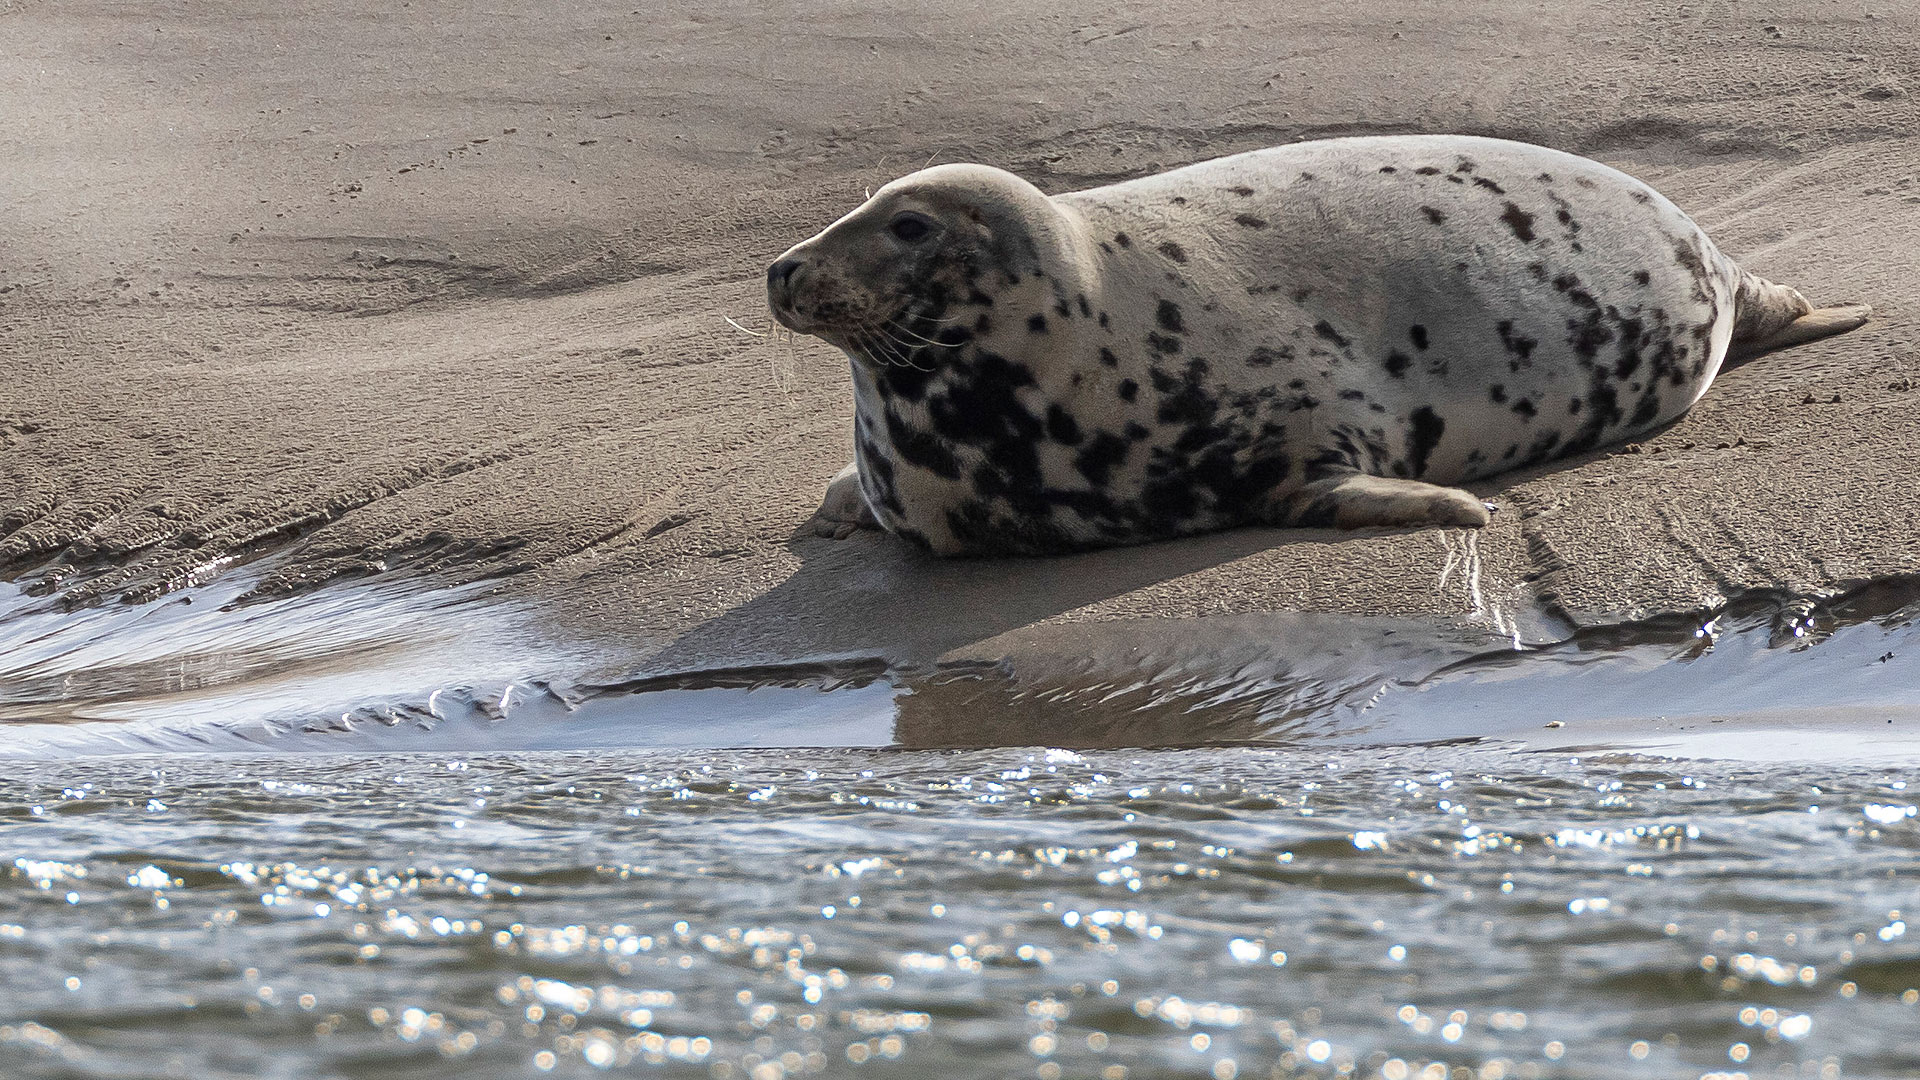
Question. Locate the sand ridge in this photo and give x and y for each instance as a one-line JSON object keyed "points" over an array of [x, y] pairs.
{"points": [[448, 289]]}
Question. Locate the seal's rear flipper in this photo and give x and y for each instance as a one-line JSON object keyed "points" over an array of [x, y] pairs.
{"points": [[1814, 325], [1358, 501]]}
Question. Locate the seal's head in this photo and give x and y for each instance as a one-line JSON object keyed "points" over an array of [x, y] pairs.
{"points": [[886, 276]]}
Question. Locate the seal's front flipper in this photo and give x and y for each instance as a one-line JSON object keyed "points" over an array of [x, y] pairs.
{"points": [[1358, 501], [844, 511]]}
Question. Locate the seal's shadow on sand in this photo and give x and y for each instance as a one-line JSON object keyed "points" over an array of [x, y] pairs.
{"points": [[873, 596]]}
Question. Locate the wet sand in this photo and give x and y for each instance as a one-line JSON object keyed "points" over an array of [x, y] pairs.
{"points": [[448, 289]]}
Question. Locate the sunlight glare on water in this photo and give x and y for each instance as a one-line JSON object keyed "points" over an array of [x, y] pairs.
{"points": [[1417, 913]]}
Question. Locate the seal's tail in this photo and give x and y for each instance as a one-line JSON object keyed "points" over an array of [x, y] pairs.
{"points": [[1768, 317]]}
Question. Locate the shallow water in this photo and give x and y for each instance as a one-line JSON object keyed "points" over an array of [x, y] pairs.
{"points": [[367, 833], [1204, 913]]}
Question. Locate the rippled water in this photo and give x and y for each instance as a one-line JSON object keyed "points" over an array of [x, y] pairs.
{"points": [[1419, 912], [367, 833]]}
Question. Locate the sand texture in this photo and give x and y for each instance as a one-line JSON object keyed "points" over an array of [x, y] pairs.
{"points": [[446, 286]]}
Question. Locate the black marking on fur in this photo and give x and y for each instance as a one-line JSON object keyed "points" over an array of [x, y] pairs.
{"points": [[1642, 277], [1427, 170], [1570, 284], [1519, 347], [1036, 323], [1353, 395], [1241, 190], [1086, 310], [921, 449], [1107, 357], [1520, 222], [1173, 251], [1325, 329], [1060, 308], [1123, 240], [1525, 408], [1300, 295], [1251, 221], [1498, 393], [1129, 389], [1456, 180], [1419, 335], [1642, 197], [1098, 459], [1178, 200], [1573, 407], [1434, 216], [1545, 178], [1388, 169], [1169, 318], [1427, 429], [1163, 344], [1398, 363], [1481, 181], [1265, 356], [1062, 426]]}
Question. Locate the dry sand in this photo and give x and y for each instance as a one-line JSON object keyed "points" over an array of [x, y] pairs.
{"points": [[440, 285]]}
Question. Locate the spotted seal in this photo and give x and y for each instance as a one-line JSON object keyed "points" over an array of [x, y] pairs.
{"points": [[1332, 333]]}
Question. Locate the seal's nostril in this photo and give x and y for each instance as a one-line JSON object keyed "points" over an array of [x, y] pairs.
{"points": [[781, 273]]}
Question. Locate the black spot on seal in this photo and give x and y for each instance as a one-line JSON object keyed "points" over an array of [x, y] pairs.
{"points": [[1434, 216], [1398, 363], [1419, 335], [1062, 426], [1173, 251], [1129, 389], [1520, 222], [1325, 329], [1482, 181], [1241, 190], [1097, 460], [1036, 323], [1427, 427], [1169, 318], [1251, 221]]}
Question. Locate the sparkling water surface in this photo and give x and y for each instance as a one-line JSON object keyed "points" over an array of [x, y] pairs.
{"points": [[1434, 912]]}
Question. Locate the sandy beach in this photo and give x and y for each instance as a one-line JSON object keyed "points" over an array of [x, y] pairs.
{"points": [[443, 288]]}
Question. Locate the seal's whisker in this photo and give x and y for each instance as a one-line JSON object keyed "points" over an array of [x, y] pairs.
{"points": [[922, 338], [887, 349], [888, 331], [742, 329]]}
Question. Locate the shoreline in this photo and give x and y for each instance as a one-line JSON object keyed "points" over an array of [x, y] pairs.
{"points": [[450, 295]]}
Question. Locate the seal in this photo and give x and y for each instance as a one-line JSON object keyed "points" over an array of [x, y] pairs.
{"points": [[1331, 333]]}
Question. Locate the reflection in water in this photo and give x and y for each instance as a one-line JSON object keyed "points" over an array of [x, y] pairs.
{"points": [[178, 677]]}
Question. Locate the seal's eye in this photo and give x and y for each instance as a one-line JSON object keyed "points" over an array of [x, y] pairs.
{"points": [[910, 228]]}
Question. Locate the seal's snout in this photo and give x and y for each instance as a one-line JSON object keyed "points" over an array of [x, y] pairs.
{"points": [[780, 282]]}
